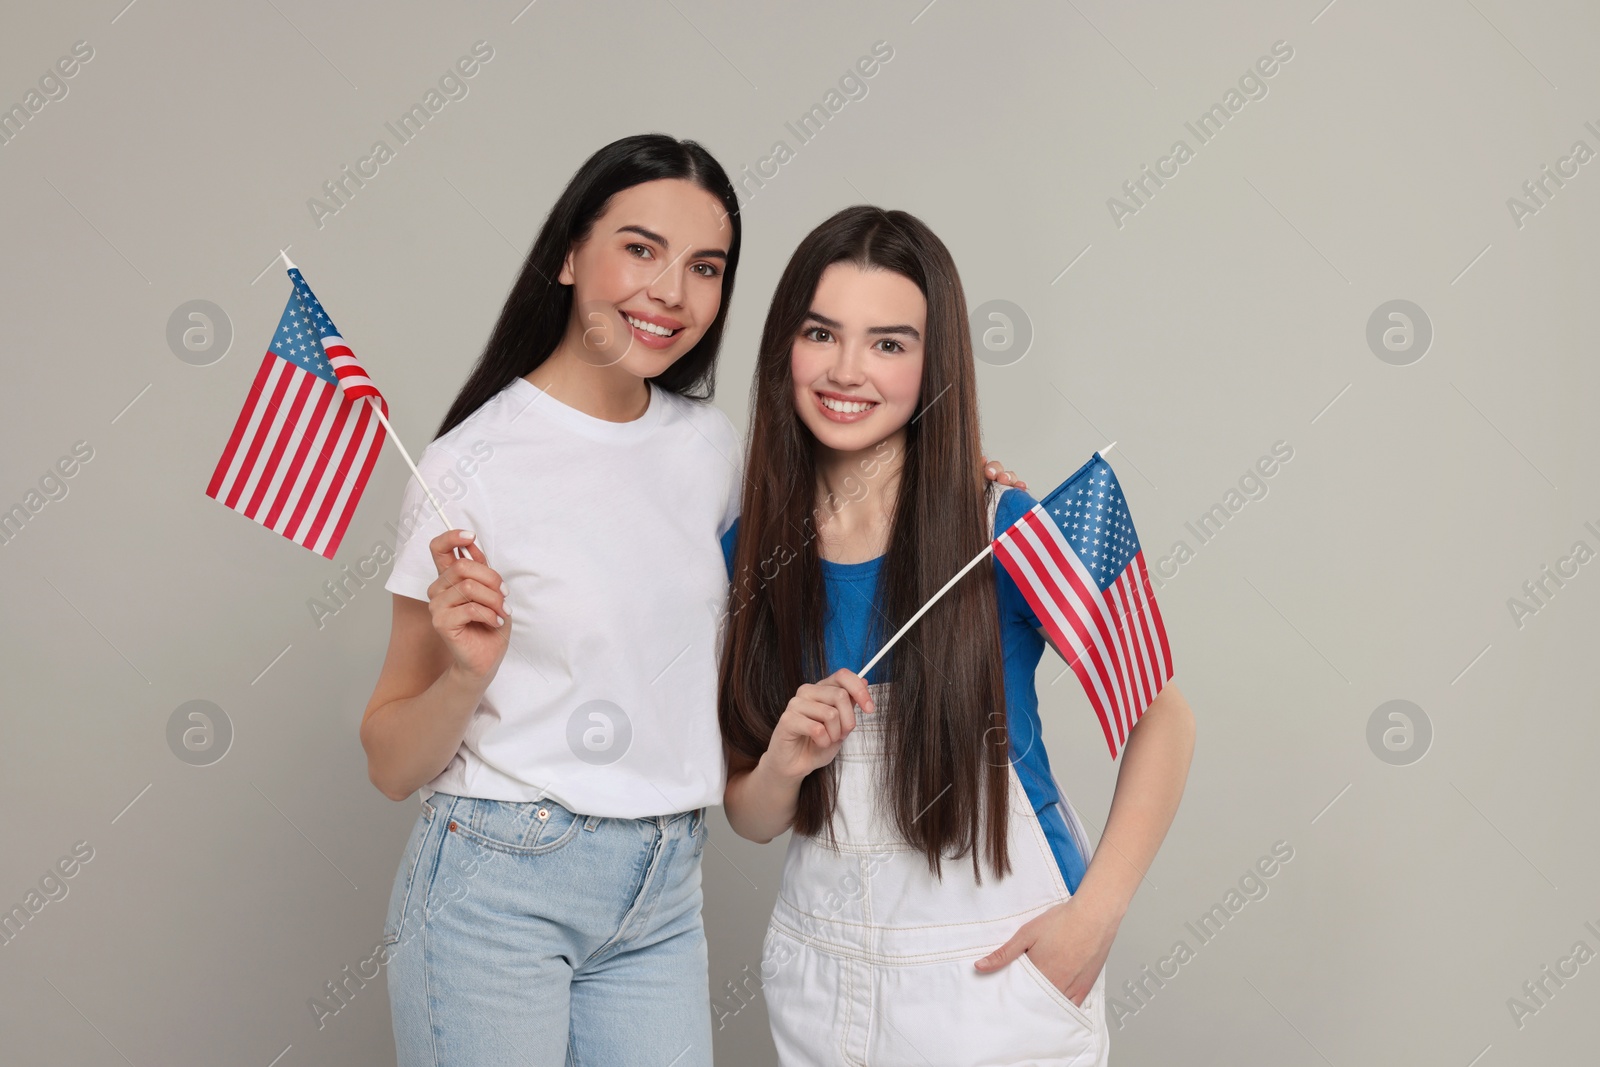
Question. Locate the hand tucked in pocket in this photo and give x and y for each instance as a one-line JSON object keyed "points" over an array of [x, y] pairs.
{"points": [[1069, 944]]}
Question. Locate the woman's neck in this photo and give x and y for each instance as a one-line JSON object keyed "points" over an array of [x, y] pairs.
{"points": [[608, 392], [856, 494]]}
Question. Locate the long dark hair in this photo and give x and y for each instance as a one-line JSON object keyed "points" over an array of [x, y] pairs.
{"points": [[536, 312], [948, 773]]}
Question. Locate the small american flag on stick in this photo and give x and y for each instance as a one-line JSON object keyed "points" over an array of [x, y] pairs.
{"points": [[1076, 557], [311, 429]]}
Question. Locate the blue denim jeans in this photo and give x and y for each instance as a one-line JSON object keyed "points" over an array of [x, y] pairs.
{"points": [[528, 934]]}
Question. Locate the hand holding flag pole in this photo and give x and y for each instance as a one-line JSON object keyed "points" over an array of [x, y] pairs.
{"points": [[1076, 558]]}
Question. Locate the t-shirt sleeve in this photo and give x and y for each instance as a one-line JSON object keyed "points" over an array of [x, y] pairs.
{"points": [[1014, 503], [732, 448], [730, 542], [450, 478]]}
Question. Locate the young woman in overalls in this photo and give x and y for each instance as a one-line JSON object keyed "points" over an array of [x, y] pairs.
{"points": [[940, 901]]}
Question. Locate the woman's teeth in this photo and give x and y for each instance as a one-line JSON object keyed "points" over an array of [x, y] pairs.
{"points": [[648, 327], [845, 406]]}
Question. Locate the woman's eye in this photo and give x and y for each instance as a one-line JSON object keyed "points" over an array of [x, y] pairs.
{"points": [[809, 331], [898, 347], [711, 271], [642, 248]]}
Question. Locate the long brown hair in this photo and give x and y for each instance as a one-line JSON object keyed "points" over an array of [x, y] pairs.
{"points": [[947, 772], [536, 311]]}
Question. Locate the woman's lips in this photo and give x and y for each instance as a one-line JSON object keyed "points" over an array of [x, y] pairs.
{"points": [[648, 339], [841, 416]]}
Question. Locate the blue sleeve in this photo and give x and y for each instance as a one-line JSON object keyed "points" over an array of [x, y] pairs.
{"points": [[1014, 503], [730, 540]]}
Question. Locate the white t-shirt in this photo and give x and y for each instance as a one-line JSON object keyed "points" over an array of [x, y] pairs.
{"points": [[607, 537]]}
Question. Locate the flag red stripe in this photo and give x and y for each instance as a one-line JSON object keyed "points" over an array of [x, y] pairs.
{"points": [[1043, 586], [323, 483], [267, 406], [339, 475], [1158, 674], [1127, 615], [335, 427], [1139, 633], [1155, 618], [361, 483], [269, 465], [239, 427], [1050, 535], [1141, 606], [354, 450], [291, 478], [1013, 561]]}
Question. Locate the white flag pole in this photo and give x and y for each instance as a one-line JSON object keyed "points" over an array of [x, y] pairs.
{"points": [[407, 457], [923, 610], [378, 411], [945, 589]]}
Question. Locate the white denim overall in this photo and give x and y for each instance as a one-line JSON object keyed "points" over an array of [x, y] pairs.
{"points": [[870, 957]]}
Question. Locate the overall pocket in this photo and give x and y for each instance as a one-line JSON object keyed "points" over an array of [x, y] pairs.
{"points": [[964, 1016], [1080, 1015], [406, 875]]}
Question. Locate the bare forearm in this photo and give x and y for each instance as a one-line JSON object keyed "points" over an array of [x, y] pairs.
{"points": [[759, 803], [409, 741], [1155, 765]]}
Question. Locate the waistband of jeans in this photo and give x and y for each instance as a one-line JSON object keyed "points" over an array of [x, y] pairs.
{"points": [[695, 816]]}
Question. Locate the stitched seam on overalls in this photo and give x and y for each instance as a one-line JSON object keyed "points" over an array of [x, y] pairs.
{"points": [[849, 952], [849, 1012], [1041, 843], [821, 920]]}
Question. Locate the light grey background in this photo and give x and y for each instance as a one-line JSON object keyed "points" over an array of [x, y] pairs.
{"points": [[1229, 313]]}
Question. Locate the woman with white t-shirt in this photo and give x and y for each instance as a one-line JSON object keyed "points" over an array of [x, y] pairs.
{"points": [[547, 906]]}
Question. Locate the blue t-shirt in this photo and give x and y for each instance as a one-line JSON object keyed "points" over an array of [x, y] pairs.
{"points": [[850, 595]]}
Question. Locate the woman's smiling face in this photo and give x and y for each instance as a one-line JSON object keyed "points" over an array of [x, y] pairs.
{"points": [[857, 362], [647, 283]]}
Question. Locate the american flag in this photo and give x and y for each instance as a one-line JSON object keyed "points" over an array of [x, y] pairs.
{"points": [[305, 443], [1076, 557]]}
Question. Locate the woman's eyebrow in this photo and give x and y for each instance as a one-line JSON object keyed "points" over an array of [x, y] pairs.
{"points": [[907, 331], [705, 253]]}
